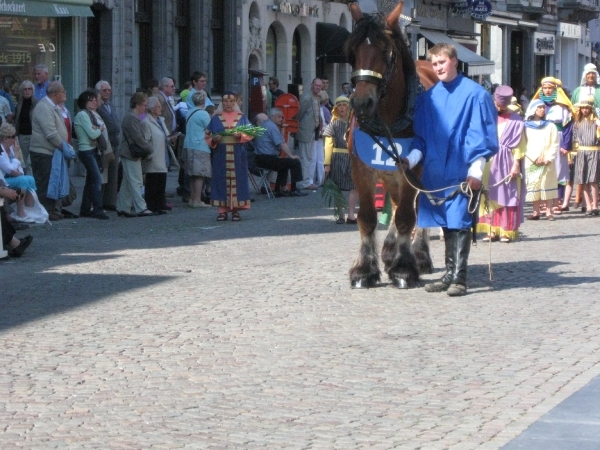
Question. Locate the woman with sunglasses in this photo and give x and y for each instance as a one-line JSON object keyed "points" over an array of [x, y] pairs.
{"points": [[23, 111]]}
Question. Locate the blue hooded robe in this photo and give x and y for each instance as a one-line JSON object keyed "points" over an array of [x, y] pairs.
{"points": [[455, 123]]}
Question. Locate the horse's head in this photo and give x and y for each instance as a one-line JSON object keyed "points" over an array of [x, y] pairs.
{"points": [[372, 50]]}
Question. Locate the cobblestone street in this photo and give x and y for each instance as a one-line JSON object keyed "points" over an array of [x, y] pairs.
{"points": [[177, 331]]}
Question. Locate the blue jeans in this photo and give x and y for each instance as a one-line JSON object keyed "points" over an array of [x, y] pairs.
{"points": [[92, 191]]}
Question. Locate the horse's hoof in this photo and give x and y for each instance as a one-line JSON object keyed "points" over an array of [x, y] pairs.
{"points": [[363, 283], [400, 283], [357, 284]]}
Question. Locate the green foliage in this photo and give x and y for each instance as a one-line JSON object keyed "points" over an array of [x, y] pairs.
{"points": [[334, 197], [250, 130]]}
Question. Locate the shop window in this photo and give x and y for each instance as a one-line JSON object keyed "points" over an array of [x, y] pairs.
{"points": [[271, 51], [182, 22], [94, 43], [26, 42], [297, 57], [143, 18], [218, 41]]}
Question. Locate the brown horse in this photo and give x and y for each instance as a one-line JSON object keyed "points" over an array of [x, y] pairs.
{"points": [[386, 85]]}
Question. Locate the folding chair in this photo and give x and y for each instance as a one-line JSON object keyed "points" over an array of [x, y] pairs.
{"points": [[259, 172], [263, 181], [3, 253]]}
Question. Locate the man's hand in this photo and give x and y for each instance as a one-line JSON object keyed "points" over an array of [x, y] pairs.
{"points": [[563, 151], [216, 138], [8, 193], [474, 183], [327, 168], [403, 164]]}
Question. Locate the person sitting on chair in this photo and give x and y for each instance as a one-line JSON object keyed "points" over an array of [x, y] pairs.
{"points": [[268, 148]]}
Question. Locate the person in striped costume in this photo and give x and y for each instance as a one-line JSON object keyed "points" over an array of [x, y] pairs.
{"points": [[587, 143], [337, 159]]}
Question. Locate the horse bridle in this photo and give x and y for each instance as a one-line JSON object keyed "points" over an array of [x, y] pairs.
{"points": [[376, 78], [370, 76]]}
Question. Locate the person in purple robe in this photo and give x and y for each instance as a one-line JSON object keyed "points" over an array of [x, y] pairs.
{"points": [[503, 175]]}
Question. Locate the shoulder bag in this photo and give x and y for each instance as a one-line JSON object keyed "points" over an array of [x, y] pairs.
{"points": [[101, 144], [135, 150]]}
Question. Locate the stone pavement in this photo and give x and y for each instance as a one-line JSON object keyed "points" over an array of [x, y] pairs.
{"points": [[180, 332]]}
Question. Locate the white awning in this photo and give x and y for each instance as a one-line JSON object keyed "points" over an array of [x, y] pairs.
{"points": [[476, 64]]}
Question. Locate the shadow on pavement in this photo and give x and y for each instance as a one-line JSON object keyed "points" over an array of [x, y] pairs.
{"points": [[519, 275], [21, 302]]}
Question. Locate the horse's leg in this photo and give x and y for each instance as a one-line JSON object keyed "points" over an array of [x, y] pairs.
{"points": [[401, 264], [421, 250], [365, 272], [421, 241]]}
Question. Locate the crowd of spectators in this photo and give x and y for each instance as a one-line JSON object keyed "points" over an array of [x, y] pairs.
{"points": [[126, 159]]}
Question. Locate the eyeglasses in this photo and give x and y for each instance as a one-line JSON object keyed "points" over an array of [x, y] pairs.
{"points": [[11, 137], [28, 89]]}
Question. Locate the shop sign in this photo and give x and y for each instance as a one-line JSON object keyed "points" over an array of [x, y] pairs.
{"points": [[569, 30], [481, 10], [461, 7], [543, 43], [15, 58], [301, 9], [12, 7], [38, 8], [61, 10]]}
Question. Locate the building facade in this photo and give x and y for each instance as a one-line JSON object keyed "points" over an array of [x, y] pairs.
{"points": [[129, 42], [43, 32]]}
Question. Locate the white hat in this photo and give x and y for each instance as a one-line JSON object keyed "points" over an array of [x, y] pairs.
{"points": [[589, 67]]}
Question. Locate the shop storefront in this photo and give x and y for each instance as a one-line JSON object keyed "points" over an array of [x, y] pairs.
{"points": [[39, 32], [544, 45], [569, 70]]}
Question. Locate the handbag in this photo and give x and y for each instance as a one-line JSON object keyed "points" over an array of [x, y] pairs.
{"points": [[137, 151], [101, 143]]}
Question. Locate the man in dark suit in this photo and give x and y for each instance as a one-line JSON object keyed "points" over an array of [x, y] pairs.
{"points": [[309, 130], [166, 90], [113, 126]]}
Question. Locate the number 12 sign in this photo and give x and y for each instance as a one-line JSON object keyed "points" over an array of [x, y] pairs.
{"points": [[373, 155]]}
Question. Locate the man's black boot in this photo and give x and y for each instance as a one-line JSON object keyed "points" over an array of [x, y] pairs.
{"points": [[463, 248], [446, 280]]}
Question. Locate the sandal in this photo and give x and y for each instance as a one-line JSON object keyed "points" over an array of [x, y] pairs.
{"points": [[505, 239], [491, 237], [147, 213], [533, 217], [550, 217], [222, 217], [235, 216], [340, 221]]}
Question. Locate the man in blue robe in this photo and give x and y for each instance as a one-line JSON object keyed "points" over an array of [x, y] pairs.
{"points": [[455, 126]]}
